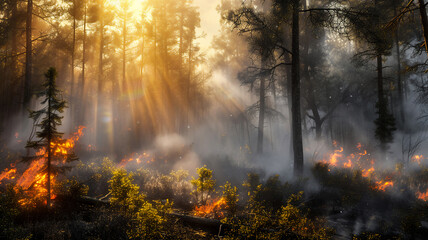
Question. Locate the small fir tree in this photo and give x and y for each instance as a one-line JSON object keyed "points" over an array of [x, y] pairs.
{"points": [[47, 119]]}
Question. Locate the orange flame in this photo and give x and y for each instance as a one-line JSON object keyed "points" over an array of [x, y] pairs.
{"points": [[418, 159], [334, 157], [382, 185], [366, 172], [8, 174], [348, 164], [34, 179], [137, 158], [422, 196], [210, 208], [359, 160], [359, 146]]}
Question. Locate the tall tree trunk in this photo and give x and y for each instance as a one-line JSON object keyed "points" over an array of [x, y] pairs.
{"points": [[189, 78], [73, 50], [262, 99], [48, 201], [382, 103], [399, 81], [287, 86], [380, 92], [124, 52], [8, 88], [142, 60], [100, 129], [183, 123], [295, 93], [313, 106], [423, 13], [82, 83], [28, 55]]}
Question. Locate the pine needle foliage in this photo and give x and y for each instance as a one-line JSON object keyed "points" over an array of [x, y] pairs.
{"points": [[46, 121]]}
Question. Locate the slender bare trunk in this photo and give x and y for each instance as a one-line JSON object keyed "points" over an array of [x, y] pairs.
{"points": [[73, 50], [188, 86], [262, 99], [82, 84], [28, 55], [100, 76], [295, 93], [124, 53], [382, 103], [399, 81], [48, 201]]}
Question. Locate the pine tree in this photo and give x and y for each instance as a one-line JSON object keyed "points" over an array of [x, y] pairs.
{"points": [[47, 119]]}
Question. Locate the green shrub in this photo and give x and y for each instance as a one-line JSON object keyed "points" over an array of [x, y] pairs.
{"points": [[147, 220], [123, 193], [294, 223], [231, 198], [72, 188], [204, 185], [9, 210]]}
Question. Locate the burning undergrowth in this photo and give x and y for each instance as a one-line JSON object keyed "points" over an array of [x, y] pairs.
{"points": [[356, 196], [364, 165], [32, 179], [360, 196]]}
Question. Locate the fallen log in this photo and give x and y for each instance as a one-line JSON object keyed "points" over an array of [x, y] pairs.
{"points": [[85, 200], [212, 226]]}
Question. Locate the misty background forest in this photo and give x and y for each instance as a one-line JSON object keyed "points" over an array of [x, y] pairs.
{"points": [[222, 119]]}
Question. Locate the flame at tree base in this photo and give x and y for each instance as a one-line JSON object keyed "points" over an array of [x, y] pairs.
{"points": [[212, 208], [33, 181]]}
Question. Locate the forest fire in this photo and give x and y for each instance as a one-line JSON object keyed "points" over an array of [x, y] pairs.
{"points": [[137, 158], [422, 196], [34, 179], [382, 185], [367, 172], [337, 158], [8, 174], [222, 119], [211, 208], [359, 160]]}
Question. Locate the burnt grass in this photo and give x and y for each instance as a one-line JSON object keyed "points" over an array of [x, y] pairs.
{"points": [[347, 201]]}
